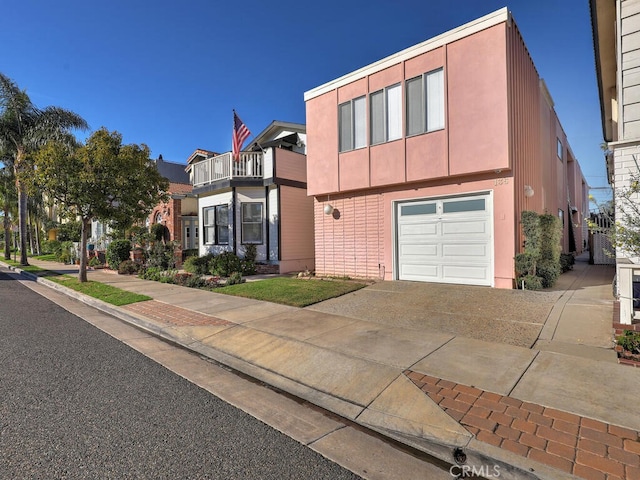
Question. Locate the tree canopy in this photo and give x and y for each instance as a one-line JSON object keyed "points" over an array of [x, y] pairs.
{"points": [[101, 179], [24, 128]]}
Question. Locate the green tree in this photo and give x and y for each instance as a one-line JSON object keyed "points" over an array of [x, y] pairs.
{"points": [[23, 129], [102, 179]]}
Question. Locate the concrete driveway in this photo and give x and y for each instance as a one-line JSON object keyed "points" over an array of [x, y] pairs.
{"points": [[514, 317]]}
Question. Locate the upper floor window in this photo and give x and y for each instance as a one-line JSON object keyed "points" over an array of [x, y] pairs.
{"points": [[425, 103], [216, 225], [352, 124], [386, 114]]}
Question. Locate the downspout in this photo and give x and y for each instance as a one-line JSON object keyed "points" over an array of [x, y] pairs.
{"points": [[279, 229], [267, 217]]}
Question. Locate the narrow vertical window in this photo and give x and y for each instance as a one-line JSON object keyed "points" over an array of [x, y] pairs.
{"points": [[425, 103], [386, 114], [251, 223], [222, 224], [435, 100], [352, 124], [559, 147], [208, 227]]}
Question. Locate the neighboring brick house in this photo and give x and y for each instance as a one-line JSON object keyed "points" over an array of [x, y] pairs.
{"points": [[260, 199], [180, 213], [420, 164]]}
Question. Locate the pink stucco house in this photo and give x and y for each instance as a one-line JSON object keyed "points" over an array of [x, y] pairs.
{"points": [[421, 163]]}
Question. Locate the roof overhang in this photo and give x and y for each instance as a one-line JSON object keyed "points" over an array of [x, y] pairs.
{"points": [[603, 26]]}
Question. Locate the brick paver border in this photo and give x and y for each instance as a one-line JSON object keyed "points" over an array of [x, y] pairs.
{"points": [[574, 444], [172, 315]]}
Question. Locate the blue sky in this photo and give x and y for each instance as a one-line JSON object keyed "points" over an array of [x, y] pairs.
{"points": [[168, 74]]}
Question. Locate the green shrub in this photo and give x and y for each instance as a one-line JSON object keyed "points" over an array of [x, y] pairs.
{"points": [[51, 246], [225, 264], [235, 278], [531, 282], [198, 265], [248, 265], [548, 272], [161, 255], [95, 262], [159, 232], [151, 273], [117, 252], [525, 264], [630, 341], [567, 260], [128, 267], [66, 252]]}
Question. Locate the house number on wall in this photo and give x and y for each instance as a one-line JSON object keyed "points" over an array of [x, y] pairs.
{"points": [[501, 181]]}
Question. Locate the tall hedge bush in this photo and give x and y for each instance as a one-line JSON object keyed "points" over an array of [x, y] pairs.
{"points": [[117, 252]]}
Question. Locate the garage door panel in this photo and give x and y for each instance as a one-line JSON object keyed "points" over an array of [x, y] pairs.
{"points": [[465, 227], [418, 229], [419, 270], [419, 250], [464, 272], [465, 250]]}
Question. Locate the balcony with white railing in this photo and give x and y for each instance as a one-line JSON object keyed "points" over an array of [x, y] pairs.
{"points": [[223, 167]]}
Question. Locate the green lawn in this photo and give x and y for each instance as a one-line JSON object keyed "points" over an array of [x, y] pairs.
{"points": [[296, 292], [106, 293]]}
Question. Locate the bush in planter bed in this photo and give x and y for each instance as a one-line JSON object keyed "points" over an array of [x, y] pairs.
{"points": [[225, 264], [128, 267], [117, 252]]}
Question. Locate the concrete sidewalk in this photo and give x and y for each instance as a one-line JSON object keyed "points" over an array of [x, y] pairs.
{"points": [[561, 409]]}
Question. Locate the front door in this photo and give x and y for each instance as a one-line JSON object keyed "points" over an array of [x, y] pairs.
{"points": [[189, 233]]}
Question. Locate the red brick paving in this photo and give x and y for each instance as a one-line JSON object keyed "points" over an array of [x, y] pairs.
{"points": [[172, 315], [578, 445]]}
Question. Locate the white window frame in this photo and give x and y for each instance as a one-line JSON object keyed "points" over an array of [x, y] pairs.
{"points": [[244, 222], [219, 221], [357, 127], [389, 133], [427, 99]]}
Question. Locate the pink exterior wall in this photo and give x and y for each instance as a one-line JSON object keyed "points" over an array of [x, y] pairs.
{"points": [[357, 240], [478, 110], [500, 135], [296, 230]]}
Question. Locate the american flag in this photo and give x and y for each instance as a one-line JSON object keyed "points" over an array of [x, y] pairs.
{"points": [[240, 134]]}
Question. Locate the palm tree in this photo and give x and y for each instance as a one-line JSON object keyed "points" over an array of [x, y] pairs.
{"points": [[7, 200], [23, 129]]}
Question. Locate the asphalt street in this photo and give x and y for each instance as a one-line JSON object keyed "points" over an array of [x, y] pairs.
{"points": [[77, 403]]}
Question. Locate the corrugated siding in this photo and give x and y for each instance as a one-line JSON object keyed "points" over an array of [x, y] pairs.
{"points": [[291, 165], [630, 53], [525, 127], [350, 242], [296, 226]]}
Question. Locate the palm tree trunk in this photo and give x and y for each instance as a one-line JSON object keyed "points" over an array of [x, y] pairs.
{"points": [[37, 237], [22, 219], [86, 229], [7, 231]]}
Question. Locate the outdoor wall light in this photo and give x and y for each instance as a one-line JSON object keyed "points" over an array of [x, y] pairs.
{"points": [[528, 191], [328, 209]]}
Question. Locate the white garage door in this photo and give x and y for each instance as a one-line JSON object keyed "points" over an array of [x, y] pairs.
{"points": [[445, 240]]}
